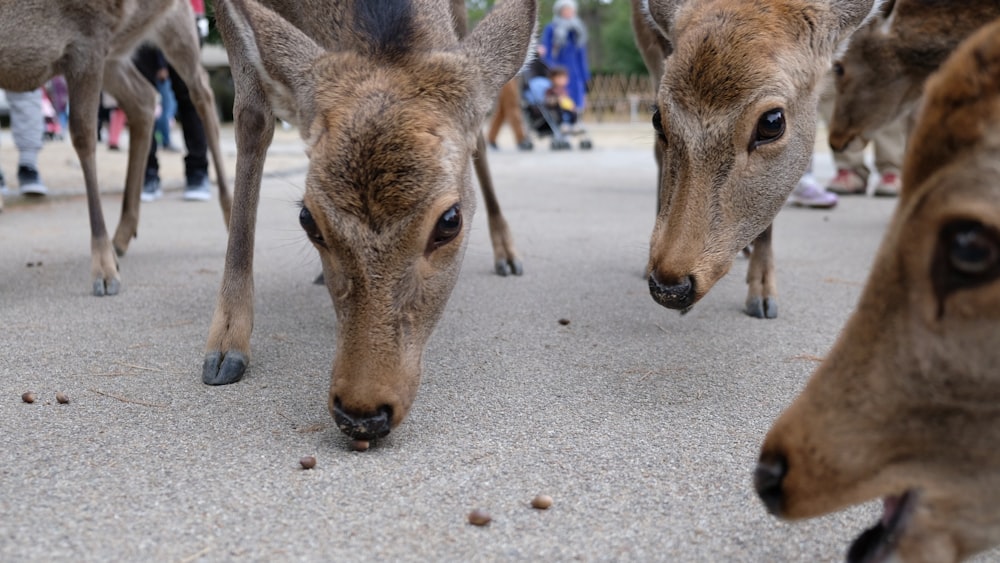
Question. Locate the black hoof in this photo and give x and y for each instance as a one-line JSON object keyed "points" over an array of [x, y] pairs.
{"points": [[505, 268], [319, 279], [102, 288], [762, 308], [222, 371]]}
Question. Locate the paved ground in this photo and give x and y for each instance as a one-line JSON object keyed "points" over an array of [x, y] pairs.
{"points": [[642, 425]]}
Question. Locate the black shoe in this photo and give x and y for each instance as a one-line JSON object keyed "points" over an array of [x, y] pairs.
{"points": [[29, 182]]}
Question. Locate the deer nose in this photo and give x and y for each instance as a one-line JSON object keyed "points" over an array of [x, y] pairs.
{"points": [[675, 293], [366, 426], [767, 480]]}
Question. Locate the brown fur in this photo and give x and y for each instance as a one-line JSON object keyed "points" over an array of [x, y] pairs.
{"points": [[908, 398], [392, 130], [91, 43], [727, 63], [881, 75]]}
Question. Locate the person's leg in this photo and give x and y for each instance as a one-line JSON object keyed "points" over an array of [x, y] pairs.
{"points": [[198, 187], [495, 123], [852, 173], [168, 106], [28, 127], [510, 101], [890, 144], [147, 60]]}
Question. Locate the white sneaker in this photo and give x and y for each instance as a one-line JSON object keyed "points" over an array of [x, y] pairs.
{"points": [[808, 193]]}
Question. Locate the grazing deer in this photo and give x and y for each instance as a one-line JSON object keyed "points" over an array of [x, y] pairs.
{"points": [[390, 102], [91, 43], [881, 75], [906, 406], [735, 122]]}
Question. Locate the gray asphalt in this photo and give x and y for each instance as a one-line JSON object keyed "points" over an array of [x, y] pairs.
{"points": [[642, 425]]}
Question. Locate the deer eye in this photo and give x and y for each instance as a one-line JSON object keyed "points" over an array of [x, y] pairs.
{"points": [[838, 69], [310, 227], [770, 128], [447, 228], [658, 125], [972, 249], [967, 255]]}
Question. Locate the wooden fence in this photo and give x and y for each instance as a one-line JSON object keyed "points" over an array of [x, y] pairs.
{"points": [[620, 97]]}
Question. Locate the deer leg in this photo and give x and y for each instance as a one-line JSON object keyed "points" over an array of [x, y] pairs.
{"points": [[183, 53], [227, 352], [137, 99], [84, 85], [506, 259], [762, 294]]}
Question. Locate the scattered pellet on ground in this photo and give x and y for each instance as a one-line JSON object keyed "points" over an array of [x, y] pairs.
{"points": [[307, 462], [28, 397], [360, 445], [541, 502], [62, 398], [564, 322], [479, 518]]}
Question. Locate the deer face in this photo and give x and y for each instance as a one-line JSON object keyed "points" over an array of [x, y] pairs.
{"points": [[873, 88], [388, 204], [736, 120], [391, 121], [907, 404]]}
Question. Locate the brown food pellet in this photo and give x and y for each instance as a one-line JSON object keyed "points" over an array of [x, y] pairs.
{"points": [[28, 397], [479, 518], [307, 462], [564, 322], [62, 399], [541, 502], [359, 445]]}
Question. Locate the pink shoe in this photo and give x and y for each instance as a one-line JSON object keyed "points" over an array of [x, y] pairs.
{"points": [[810, 194], [889, 185], [847, 182]]}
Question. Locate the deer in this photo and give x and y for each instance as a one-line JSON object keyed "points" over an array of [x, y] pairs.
{"points": [[906, 405], [735, 121], [880, 76], [389, 97], [91, 43]]}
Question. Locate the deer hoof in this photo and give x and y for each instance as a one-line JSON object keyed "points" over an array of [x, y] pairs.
{"points": [[219, 370], [109, 287], [762, 307], [505, 268]]}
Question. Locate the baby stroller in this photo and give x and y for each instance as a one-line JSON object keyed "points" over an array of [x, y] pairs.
{"points": [[541, 119]]}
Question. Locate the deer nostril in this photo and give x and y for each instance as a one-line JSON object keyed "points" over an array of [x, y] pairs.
{"points": [[367, 426], [767, 480], [673, 294]]}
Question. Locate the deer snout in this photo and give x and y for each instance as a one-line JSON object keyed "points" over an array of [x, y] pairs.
{"points": [[767, 480], [362, 426], [841, 141], [673, 292]]}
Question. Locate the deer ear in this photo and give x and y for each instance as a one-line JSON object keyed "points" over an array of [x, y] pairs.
{"points": [[661, 13], [852, 14], [280, 53], [499, 44]]}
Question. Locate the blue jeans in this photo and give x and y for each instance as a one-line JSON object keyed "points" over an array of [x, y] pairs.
{"points": [[168, 103]]}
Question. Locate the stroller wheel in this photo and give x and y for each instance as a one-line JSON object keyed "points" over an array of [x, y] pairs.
{"points": [[586, 145]]}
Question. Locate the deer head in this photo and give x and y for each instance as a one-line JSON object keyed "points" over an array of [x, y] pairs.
{"points": [[736, 121], [906, 406], [881, 75], [390, 119]]}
